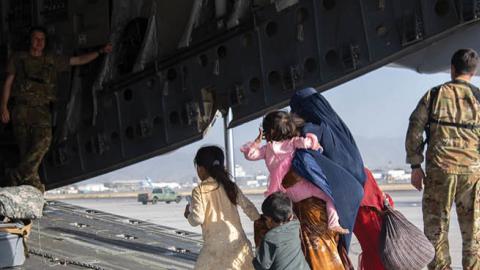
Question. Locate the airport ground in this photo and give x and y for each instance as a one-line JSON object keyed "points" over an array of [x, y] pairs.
{"points": [[407, 201]]}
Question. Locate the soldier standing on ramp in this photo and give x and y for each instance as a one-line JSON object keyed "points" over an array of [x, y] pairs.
{"points": [[450, 116], [33, 75]]}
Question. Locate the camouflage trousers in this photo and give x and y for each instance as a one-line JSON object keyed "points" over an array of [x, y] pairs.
{"points": [[441, 190], [33, 143]]}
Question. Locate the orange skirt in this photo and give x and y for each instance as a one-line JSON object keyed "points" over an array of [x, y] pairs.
{"points": [[320, 245]]}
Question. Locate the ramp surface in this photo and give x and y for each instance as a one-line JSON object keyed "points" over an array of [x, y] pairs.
{"points": [[72, 237]]}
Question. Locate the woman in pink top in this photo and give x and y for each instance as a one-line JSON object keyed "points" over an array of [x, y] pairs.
{"points": [[282, 140]]}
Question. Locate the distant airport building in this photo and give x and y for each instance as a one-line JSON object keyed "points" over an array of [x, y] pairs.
{"points": [[241, 176], [378, 175], [172, 185], [397, 176], [240, 172], [90, 188]]}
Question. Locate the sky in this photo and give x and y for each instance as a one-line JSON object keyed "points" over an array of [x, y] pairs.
{"points": [[375, 107]]}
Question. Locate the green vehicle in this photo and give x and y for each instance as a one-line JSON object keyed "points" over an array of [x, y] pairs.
{"points": [[164, 194]]}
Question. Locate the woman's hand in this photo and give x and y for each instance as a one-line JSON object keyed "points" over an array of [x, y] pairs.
{"points": [[260, 136], [187, 211]]}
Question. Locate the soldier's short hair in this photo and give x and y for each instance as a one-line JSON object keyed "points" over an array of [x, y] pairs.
{"points": [[40, 29], [465, 61]]}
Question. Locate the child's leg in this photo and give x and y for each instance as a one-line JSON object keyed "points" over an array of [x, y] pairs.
{"points": [[333, 223], [332, 213], [333, 219]]}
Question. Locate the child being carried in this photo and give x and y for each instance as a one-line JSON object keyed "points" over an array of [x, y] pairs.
{"points": [[282, 141]]}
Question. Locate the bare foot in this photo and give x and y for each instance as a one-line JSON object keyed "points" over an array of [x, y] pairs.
{"points": [[340, 230]]}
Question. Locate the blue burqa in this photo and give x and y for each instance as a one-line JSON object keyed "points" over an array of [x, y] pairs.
{"points": [[339, 169]]}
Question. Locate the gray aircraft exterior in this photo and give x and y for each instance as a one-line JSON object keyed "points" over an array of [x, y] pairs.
{"points": [[176, 63]]}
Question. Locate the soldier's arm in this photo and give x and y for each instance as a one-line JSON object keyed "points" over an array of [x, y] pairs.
{"points": [[414, 139], [89, 57], [7, 89]]}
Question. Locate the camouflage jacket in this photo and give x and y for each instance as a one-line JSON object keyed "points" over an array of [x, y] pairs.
{"points": [[35, 77], [450, 149]]}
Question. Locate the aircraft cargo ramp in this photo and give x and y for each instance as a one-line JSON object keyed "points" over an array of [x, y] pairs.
{"points": [[72, 237]]}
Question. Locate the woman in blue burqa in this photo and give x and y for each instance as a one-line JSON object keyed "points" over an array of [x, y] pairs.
{"points": [[338, 171]]}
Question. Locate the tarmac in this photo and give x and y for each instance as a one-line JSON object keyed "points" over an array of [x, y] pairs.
{"points": [[171, 215], [123, 234]]}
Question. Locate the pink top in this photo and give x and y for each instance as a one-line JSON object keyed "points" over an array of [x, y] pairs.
{"points": [[278, 157]]}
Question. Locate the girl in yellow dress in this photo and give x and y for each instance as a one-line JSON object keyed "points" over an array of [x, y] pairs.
{"points": [[214, 207]]}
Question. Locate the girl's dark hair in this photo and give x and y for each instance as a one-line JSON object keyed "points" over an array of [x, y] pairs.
{"points": [[211, 158], [278, 126]]}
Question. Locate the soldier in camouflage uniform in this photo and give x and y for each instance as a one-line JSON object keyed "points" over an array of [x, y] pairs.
{"points": [[31, 82], [450, 115]]}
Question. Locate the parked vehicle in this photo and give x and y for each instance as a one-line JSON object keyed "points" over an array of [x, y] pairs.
{"points": [[164, 194]]}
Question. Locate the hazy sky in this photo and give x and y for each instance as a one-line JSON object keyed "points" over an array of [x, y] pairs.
{"points": [[376, 105]]}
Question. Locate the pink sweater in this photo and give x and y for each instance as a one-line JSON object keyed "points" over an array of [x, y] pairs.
{"points": [[278, 158]]}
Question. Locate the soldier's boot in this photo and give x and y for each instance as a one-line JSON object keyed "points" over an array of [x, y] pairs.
{"points": [[35, 182], [40, 187], [26, 179]]}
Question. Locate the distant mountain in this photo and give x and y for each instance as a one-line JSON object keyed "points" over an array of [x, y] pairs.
{"points": [[382, 152], [174, 166]]}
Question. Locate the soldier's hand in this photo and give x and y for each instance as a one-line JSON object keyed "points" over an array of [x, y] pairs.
{"points": [[5, 115], [107, 48], [417, 178]]}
